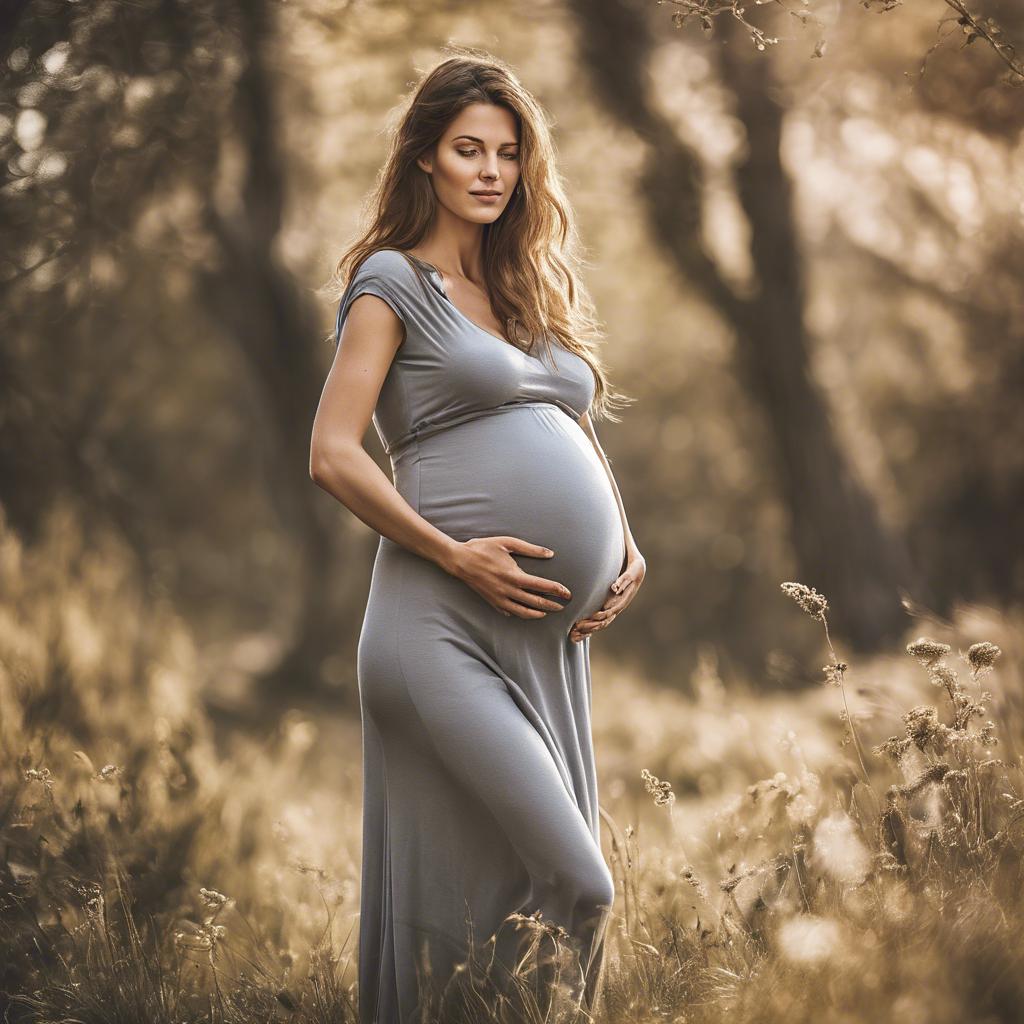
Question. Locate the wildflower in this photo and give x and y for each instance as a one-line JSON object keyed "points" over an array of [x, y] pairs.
{"points": [[834, 672], [729, 884], [39, 775], [535, 922], [967, 708], [95, 906], [986, 735], [203, 937], [108, 772], [982, 656], [661, 791], [943, 675], [808, 599], [893, 748], [927, 651], [923, 725], [933, 773], [691, 876], [214, 900]]}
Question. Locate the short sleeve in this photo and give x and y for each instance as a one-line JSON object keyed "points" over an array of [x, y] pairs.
{"points": [[378, 275]]}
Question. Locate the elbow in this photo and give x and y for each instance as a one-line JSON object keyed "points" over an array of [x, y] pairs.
{"points": [[319, 466], [316, 463], [324, 463]]}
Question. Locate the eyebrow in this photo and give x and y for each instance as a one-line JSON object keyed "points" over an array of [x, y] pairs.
{"points": [[473, 138]]}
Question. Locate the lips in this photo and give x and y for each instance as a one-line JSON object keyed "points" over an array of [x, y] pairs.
{"points": [[485, 193]]}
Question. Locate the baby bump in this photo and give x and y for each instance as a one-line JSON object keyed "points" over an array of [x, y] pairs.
{"points": [[528, 472]]}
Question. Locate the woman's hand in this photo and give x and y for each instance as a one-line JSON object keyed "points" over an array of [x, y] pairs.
{"points": [[486, 565], [622, 592]]}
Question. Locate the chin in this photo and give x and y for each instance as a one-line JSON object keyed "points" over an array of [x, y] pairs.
{"points": [[481, 216]]}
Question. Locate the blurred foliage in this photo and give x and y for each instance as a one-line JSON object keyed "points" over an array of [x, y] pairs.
{"points": [[153, 868], [156, 867], [120, 803], [125, 393], [968, 26]]}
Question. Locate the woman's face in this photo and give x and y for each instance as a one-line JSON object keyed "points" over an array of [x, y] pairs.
{"points": [[478, 153]]}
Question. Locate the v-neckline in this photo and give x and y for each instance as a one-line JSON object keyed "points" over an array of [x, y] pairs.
{"points": [[451, 302]]}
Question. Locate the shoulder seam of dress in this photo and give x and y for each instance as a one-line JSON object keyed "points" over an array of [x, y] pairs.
{"points": [[424, 279], [387, 276]]}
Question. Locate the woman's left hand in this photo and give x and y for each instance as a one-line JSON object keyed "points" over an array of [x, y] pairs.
{"points": [[622, 592]]}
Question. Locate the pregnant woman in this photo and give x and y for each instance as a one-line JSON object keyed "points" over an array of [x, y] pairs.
{"points": [[504, 545]]}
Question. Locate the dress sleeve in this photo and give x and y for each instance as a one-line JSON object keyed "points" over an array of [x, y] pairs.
{"points": [[378, 275]]}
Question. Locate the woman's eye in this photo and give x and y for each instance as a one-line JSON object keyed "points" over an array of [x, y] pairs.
{"points": [[473, 152]]}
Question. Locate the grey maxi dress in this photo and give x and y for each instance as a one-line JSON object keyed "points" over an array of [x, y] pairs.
{"points": [[479, 785]]}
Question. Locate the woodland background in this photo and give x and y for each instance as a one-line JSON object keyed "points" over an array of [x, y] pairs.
{"points": [[809, 269], [808, 257]]}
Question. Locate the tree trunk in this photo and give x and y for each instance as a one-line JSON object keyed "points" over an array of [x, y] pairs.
{"points": [[262, 310], [840, 545]]}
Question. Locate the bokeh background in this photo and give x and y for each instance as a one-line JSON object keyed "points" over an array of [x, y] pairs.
{"points": [[808, 256]]}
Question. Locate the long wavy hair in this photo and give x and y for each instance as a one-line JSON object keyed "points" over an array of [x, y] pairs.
{"points": [[531, 253]]}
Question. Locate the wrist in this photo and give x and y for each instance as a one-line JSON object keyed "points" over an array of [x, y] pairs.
{"points": [[449, 555]]}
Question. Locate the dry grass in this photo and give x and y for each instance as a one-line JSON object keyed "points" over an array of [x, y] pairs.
{"points": [[848, 853]]}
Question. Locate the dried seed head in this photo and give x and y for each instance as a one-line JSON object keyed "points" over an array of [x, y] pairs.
{"points": [[933, 773], [926, 650], [943, 675], [661, 791], [834, 673], [982, 656], [922, 725], [808, 598], [987, 735], [893, 748], [42, 775], [213, 899], [691, 876]]}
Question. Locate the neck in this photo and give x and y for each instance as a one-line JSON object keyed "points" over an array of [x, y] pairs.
{"points": [[454, 246]]}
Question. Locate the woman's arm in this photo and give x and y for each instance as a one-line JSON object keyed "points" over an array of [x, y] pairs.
{"points": [[338, 463]]}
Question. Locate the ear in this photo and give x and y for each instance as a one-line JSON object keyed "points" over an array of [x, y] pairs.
{"points": [[425, 164]]}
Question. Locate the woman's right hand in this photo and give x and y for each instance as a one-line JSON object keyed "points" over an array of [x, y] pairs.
{"points": [[486, 564]]}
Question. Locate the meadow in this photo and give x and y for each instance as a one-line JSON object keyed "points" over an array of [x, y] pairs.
{"points": [[806, 253], [848, 852]]}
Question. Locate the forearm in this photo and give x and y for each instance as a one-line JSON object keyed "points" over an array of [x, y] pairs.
{"points": [[354, 478]]}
